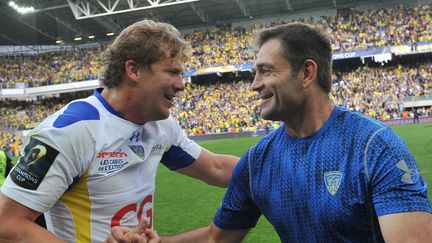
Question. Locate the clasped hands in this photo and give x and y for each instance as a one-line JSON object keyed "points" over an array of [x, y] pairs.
{"points": [[140, 234]]}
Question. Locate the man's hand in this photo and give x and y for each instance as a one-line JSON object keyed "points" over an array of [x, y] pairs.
{"points": [[139, 234]]}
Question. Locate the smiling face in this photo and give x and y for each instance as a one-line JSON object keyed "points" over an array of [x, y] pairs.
{"points": [[280, 91], [157, 86]]}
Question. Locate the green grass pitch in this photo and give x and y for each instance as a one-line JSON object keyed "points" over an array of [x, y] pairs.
{"points": [[182, 203]]}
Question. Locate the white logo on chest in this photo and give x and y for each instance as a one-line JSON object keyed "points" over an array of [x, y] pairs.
{"points": [[333, 181]]}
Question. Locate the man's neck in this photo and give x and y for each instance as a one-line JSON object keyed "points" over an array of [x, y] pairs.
{"points": [[121, 103], [311, 119]]}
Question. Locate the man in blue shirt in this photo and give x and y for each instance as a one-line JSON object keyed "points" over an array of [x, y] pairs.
{"points": [[328, 174]]}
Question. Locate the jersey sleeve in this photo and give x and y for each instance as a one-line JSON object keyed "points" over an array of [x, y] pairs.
{"points": [[182, 151], [396, 183], [51, 160], [238, 210]]}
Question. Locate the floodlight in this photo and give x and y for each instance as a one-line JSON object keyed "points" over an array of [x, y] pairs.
{"points": [[109, 33], [77, 38], [21, 9]]}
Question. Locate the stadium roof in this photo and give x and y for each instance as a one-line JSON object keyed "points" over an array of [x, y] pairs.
{"points": [[54, 20]]}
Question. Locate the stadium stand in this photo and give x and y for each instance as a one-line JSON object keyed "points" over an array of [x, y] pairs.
{"points": [[228, 44], [10, 142], [380, 89]]}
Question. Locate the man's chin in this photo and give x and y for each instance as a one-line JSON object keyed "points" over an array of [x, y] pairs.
{"points": [[267, 115], [264, 111], [162, 116], [165, 116]]}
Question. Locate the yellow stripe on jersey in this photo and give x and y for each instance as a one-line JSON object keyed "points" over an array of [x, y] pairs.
{"points": [[78, 202]]}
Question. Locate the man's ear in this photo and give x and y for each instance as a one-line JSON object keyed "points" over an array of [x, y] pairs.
{"points": [[131, 70], [310, 72]]}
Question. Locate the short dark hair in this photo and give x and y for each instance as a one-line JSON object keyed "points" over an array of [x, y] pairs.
{"points": [[144, 42], [300, 42]]}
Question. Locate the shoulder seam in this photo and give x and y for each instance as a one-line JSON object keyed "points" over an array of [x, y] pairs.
{"points": [[362, 116], [250, 173], [367, 148]]}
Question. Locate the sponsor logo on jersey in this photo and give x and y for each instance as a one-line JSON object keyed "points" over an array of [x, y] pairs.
{"points": [[111, 161], [143, 209], [111, 165], [134, 137], [333, 181], [114, 154], [33, 165], [138, 150], [408, 173], [157, 148]]}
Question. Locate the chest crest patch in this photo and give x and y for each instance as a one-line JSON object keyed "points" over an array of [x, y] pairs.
{"points": [[138, 150], [333, 181]]}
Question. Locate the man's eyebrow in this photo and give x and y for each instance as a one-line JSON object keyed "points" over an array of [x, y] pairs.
{"points": [[174, 69], [261, 65]]}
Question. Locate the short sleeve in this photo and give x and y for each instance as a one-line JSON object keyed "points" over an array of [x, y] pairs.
{"points": [[397, 185], [182, 150], [238, 210]]}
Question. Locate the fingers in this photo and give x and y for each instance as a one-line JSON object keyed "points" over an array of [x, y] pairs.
{"points": [[112, 239], [121, 234], [141, 227], [152, 236], [139, 239]]}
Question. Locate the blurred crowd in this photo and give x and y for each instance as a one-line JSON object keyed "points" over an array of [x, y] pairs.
{"points": [[379, 92], [228, 44], [226, 107], [50, 68], [234, 107], [10, 143]]}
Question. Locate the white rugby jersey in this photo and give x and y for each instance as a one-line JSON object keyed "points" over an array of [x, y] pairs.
{"points": [[89, 169]]}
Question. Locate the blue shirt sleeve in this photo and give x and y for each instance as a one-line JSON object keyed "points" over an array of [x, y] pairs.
{"points": [[238, 210], [176, 158], [397, 185]]}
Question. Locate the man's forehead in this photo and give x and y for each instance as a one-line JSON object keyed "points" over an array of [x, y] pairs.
{"points": [[171, 62], [270, 47], [269, 53]]}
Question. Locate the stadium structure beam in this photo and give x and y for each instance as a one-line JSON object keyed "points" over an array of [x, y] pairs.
{"points": [[66, 24], [22, 20], [11, 40], [76, 30], [243, 8], [288, 5], [50, 8], [199, 12], [108, 24], [150, 13], [83, 9]]}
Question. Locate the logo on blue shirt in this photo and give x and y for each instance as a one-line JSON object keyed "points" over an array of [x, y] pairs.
{"points": [[333, 181], [407, 177]]}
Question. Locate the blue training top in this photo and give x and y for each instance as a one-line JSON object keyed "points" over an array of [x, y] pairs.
{"points": [[327, 187]]}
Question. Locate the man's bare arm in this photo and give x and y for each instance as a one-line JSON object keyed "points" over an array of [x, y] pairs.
{"points": [[18, 224], [406, 227], [214, 169], [209, 234]]}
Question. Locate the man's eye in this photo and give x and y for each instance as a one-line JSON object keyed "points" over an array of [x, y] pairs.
{"points": [[265, 71]]}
